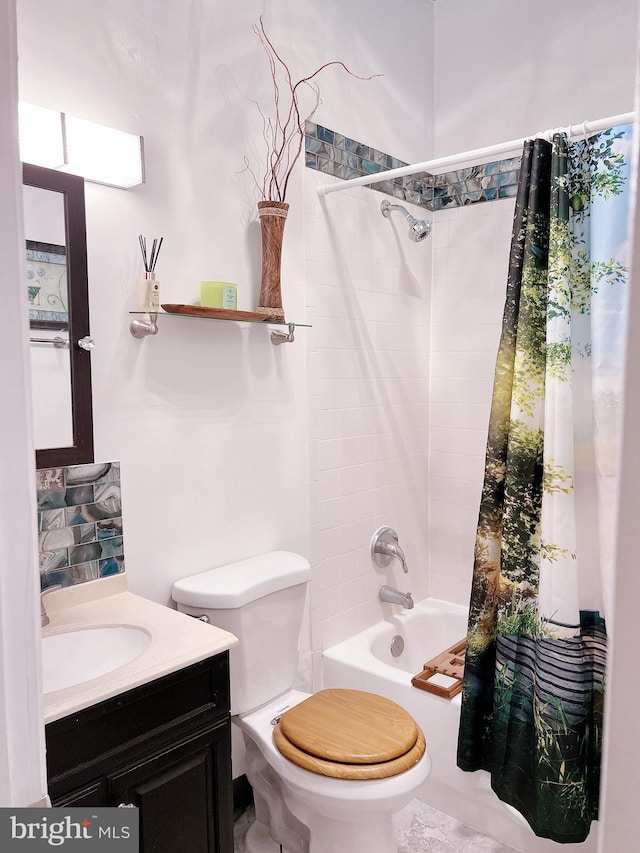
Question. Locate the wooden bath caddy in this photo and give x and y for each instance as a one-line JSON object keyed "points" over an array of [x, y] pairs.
{"points": [[449, 663]]}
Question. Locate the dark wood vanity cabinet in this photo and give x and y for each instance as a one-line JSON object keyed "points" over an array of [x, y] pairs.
{"points": [[165, 748]]}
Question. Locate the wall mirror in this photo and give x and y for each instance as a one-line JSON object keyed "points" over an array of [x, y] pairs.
{"points": [[58, 296]]}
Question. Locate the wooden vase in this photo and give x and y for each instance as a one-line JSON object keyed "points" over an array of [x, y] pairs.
{"points": [[273, 215]]}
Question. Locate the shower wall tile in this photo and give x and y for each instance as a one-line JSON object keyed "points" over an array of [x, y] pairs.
{"points": [[401, 358], [469, 281], [333, 154], [79, 523], [368, 288]]}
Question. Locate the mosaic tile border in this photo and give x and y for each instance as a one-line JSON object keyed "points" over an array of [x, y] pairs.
{"points": [[473, 184], [79, 523], [335, 154]]}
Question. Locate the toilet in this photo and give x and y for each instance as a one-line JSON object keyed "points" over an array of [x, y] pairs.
{"points": [[328, 770]]}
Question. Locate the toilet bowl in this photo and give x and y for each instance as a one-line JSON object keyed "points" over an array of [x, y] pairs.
{"points": [[342, 815], [328, 770]]}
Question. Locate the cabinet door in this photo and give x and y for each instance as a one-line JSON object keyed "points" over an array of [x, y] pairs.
{"points": [[96, 793], [183, 793]]}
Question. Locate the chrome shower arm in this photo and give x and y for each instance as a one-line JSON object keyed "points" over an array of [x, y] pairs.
{"points": [[418, 228], [386, 207]]}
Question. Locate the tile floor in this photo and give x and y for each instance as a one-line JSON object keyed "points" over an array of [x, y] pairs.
{"points": [[419, 829]]}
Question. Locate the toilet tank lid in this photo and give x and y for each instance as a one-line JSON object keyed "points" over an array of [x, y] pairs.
{"points": [[236, 584]]}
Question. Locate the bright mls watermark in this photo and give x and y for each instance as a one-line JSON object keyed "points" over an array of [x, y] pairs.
{"points": [[101, 829]]}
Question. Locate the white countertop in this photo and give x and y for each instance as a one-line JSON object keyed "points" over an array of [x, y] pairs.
{"points": [[177, 640]]}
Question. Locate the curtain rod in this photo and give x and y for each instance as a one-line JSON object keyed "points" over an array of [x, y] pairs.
{"points": [[512, 147]]}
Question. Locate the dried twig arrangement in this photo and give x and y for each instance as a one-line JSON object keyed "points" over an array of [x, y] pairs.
{"points": [[283, 132]]}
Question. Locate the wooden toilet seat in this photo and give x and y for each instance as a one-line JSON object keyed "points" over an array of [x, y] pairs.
{"points": [[350, 734]]}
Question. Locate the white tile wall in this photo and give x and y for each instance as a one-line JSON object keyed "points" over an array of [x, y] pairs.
{"points": [[401, 360], [470, 262], [368, 297]]}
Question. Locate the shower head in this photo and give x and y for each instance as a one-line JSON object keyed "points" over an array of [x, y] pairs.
{"points": [[418, 228]]}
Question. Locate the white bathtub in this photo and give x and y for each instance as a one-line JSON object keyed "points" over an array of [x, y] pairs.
{"points": [[365, 662]]}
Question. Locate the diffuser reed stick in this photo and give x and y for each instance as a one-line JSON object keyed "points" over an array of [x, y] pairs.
{"points": [[150, 262]]}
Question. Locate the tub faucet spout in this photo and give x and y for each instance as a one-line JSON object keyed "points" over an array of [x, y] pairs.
{"points": [[394, 596]]}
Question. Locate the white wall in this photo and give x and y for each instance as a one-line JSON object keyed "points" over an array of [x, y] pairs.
{"points": [[368, 292], [470, 262], [208, 419], [22, 768], [508, 68], [621, 760]]}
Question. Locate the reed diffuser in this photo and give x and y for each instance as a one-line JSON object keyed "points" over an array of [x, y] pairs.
{"points": [[149, 286]]}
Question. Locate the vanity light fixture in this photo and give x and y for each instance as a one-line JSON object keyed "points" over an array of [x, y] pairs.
{"points": [[41, 136], [95, 152], [102, 154]]}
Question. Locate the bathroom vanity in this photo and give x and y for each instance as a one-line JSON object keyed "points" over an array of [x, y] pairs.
{"points": [[162, 744], [164, 748]]}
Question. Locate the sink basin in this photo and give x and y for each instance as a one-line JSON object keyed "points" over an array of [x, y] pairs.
{"points": [[78, 656]]}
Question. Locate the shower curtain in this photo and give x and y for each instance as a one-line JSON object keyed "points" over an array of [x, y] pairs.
{"points": [[533, 690]]}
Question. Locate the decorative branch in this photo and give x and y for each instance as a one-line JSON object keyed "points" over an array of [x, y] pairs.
{"points": [[283, 133]]}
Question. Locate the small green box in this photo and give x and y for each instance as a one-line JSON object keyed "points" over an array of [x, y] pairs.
{"points": [[218, 294]]}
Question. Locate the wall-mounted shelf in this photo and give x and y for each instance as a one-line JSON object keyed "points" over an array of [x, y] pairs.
{"points": [[145, 323]]}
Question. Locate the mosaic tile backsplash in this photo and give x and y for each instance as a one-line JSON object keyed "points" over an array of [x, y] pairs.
{"points": [[79, 523], [337, 155]]}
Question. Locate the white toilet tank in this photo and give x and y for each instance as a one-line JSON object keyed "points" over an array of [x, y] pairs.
{"points": [[261, 601]]}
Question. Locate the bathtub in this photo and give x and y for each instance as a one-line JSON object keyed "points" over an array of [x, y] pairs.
{"points": [[365, 662]]}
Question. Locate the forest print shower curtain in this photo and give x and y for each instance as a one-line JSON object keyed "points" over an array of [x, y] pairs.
{"points": [[534, 686]]}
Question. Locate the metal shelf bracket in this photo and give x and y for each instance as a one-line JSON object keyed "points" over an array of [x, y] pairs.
{"points": [[278, 338], [142, 328]]}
